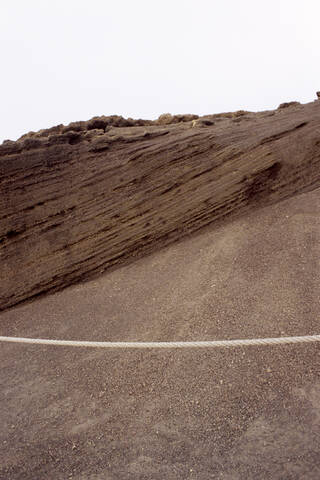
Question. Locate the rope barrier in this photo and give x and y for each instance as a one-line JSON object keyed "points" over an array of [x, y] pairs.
{"points": [[201, 344]]}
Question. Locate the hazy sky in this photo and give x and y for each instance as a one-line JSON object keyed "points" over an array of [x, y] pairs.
{"points": [[67, 60]]}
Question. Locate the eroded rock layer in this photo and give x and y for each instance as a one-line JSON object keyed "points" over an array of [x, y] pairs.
{"points": [[76, 200]]}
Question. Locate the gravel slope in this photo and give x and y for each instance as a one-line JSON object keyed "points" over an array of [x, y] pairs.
{"points": [[231, 414]]}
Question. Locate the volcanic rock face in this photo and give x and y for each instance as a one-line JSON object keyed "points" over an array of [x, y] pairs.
{"points": [[77, 199]]}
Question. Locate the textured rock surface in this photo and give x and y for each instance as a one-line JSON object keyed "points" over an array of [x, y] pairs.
{"points": [[76, 200]]}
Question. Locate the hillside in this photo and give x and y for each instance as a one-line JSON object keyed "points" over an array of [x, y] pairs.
{"points": [[77, 200], [194, 413]]}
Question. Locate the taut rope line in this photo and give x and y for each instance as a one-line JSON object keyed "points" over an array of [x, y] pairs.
{"points": [[200, 344]]}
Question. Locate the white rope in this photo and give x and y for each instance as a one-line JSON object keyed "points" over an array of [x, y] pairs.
{"points": [[203, 344]]}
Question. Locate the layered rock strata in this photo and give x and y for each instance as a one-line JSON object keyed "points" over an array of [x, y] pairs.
{"points": [[78, 199]]}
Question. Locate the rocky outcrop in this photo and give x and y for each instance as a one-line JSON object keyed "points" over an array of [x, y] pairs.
{"points": [[78, 199]]}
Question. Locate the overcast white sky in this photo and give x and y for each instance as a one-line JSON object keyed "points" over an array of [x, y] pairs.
{"points": [[67, 60]]}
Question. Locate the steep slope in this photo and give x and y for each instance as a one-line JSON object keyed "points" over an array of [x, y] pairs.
{"points": [[76, 200]]}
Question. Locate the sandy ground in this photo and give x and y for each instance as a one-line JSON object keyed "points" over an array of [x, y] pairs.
{"points": [[243, 413]]}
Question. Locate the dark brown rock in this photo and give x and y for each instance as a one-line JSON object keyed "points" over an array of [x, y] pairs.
{"points": [[79, 199], [288, 104], [204, 122]]}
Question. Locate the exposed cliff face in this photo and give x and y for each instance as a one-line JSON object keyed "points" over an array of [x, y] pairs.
{"points": [[76, 200]]}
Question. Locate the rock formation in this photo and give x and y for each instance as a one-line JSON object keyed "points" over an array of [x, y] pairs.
{"points": [[78, 199]]}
